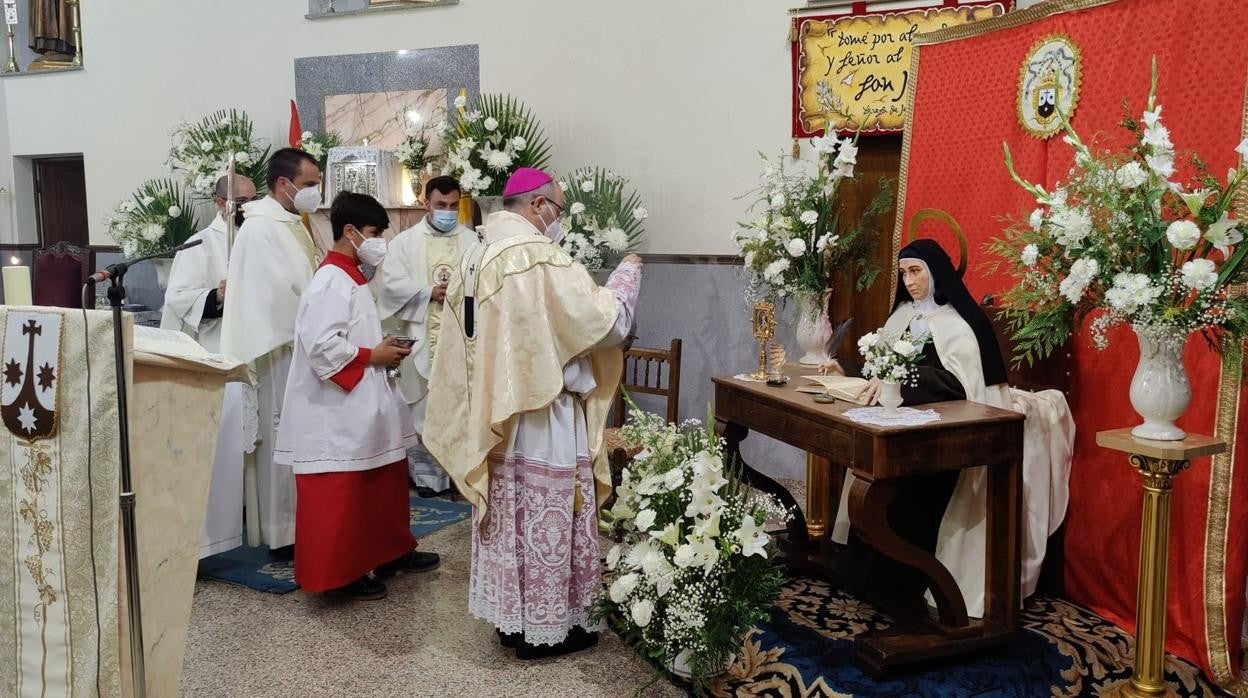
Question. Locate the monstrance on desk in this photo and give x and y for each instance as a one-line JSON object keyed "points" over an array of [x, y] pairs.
{"points": [[764, 322]]}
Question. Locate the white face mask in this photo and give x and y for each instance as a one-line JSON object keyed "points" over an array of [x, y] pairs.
{"points": [[372, 251], [306, 200], [554, 230]]}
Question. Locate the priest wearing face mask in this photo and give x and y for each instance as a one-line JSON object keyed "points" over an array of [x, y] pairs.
{"points": [[527, 365], [410, 289], [346, 426], [271, 264], [194, 302]]}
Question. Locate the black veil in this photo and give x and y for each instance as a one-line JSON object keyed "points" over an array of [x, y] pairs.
{"points": [[951, 291]]}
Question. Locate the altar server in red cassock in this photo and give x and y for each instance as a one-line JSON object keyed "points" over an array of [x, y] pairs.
{"points": [[346, 426]]}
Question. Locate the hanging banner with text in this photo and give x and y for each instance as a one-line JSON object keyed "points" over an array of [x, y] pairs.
{"points": [[853, 69]]}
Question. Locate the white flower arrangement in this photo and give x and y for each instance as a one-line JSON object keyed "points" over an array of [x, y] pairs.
{"points": [[157, 217], [694, 571], [201, 151], [893, 358], [1122, 238], [319, 144], [488, 142], [791, 246], [602, 217]]}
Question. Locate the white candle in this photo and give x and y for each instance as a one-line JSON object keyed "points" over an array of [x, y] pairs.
{"points": [[16, 283]]}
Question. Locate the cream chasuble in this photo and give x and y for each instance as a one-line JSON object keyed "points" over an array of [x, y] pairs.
{"points": [[1048, 445], [271, 264]]}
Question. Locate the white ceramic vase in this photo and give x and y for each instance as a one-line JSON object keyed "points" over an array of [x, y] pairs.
{"points": [[162, 272], [813, 330], [1160, 392], [680, 665], [890, 396]]}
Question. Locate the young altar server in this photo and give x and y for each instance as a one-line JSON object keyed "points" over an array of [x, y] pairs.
{"points": [[346, 426]]}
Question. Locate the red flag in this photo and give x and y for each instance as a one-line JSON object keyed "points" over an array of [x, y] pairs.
{"points": [[296, 133]]}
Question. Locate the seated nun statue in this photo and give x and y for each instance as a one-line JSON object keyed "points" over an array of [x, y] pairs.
{"points": [[945, 513]]}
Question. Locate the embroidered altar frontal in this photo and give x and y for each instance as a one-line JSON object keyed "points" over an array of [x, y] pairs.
{"points": [[977, 86], [59, 507]]}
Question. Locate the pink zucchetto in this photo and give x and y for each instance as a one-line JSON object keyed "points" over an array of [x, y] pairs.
{"points": [[525, 180]]}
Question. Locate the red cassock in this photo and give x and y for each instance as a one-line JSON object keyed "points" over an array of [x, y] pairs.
{"points": [[964, 109]]}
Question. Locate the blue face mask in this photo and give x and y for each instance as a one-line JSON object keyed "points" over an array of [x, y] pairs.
{"points": [[445, 220]]}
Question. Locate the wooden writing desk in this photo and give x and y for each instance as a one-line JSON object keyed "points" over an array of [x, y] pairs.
{"points": [[967, 435]]}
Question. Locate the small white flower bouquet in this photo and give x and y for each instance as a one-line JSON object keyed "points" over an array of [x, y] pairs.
{"points": [[157, 217], [318, 145], [413, 151], [489, 140], [201, 152], [892, 359], [603, 219], [1123, 237], [694, 571]]}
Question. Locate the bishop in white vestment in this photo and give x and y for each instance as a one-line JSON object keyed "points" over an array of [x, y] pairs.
{"points": [[410, 289], [271, 264], [194, 302], [526, 369]]}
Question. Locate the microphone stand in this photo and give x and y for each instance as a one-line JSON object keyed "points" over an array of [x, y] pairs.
{"points": [[115, 274]]}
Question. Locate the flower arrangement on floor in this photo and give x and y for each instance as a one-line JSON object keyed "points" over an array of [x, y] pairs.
{"points": [[892, 358], [318, 145], [1122, 236], [695, 570], [790, 248], [157, 217], [201, 151], [488, 141], [603, 219]]}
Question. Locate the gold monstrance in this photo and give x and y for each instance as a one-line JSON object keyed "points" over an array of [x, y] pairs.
{"points": [[764, 330]]}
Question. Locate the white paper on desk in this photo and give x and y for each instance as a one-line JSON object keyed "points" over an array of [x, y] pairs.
{"points": [[840, 387]]}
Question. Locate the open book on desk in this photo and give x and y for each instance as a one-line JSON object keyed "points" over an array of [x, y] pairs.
{"points": [[171, 344], [840, 387]]}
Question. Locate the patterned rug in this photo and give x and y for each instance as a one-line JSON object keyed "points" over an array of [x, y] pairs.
{"points": [[806, 649], [255, 569]]}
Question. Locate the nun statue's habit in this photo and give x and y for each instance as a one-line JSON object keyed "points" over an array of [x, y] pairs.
{"points": [[964, 361]]}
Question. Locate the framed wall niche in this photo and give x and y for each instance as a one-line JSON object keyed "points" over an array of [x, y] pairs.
{"points": [[41, 37]]}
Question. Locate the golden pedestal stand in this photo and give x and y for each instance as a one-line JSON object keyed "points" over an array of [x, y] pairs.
{"points": [[1159, 462]]}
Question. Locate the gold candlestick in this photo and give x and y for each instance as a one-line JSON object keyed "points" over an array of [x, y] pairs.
{"points": [[11, 66], [1159, 462], [764, 330], [77, 27]]}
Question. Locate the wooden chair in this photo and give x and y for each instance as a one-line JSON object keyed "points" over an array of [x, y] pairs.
{"points": [[59, 272], [644, 374]]}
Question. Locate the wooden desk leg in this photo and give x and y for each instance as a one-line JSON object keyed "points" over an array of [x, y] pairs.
{"points": [[818, 492], [868, 513], [1003, 546], [733, 435]]}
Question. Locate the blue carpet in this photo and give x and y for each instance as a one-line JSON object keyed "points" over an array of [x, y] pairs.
{"points": [[806, 649], [253, 568]]}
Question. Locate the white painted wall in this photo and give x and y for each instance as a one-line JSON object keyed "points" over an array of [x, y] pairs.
{"points": [[678, 95]]}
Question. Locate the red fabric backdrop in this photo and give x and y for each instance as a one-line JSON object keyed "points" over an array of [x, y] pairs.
{"points": [[963, 111]]}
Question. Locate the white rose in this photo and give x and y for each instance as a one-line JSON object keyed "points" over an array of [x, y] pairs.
{"points": [[1030, 254], [674, 478], [1161, 163], [642, 611], [1199, 274], [640, 214], [587, 186], [645, 519], [1183, 235], [577, 208], [490, 123], [174, 211], [905, 348], [1131, 175], [685, 556], [809, 217], [796, 247], [623, 587], [518, 143]]}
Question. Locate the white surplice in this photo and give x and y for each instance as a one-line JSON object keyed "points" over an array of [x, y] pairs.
{"points": [[271, 264], [418, 259], [324, 427], [1048, 446], [195, 273]]}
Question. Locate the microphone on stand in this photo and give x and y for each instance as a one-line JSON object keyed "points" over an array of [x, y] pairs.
{"points": [[120, 268]]}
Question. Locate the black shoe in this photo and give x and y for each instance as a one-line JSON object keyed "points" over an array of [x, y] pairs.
{"points": [[415, 561], [362, 589], [508, 640], [578, 639], [286, 553]]}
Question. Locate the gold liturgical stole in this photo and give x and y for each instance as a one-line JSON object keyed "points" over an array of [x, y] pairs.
{"points": [[442, 255], [304, 239]]}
